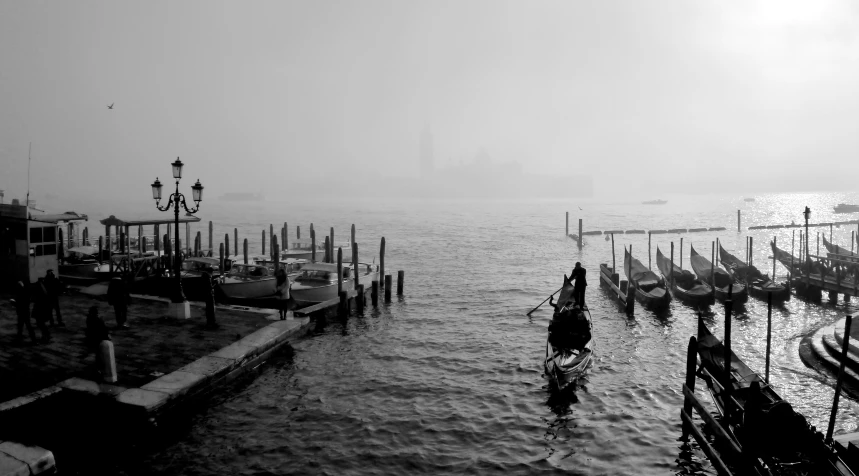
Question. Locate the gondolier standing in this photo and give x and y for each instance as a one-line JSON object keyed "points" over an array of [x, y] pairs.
{"points": [[579, 274]]}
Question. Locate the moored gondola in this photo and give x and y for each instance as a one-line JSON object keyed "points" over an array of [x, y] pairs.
{"points": [[757, 283], [718, 277], [649, 289], [569, 353], [683, 284]]}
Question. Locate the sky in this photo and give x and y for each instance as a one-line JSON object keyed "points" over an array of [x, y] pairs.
{"points": [[643, 96]]}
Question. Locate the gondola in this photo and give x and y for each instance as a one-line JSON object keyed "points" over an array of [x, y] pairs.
{"points": [[649, 289], [704, 269], [780, 441], [786, 259], [569, 353], [758, 284], [835, 251], [683, 284]]}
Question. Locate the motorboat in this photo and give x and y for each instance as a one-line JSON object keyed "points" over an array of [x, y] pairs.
{"points": [[569, 353], [654, 202], [846, 208], [253, 280], [317, 282], [302, 248], [80, 263]]}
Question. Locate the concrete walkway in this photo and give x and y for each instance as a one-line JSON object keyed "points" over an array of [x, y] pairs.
{"points": [[153, 346]]}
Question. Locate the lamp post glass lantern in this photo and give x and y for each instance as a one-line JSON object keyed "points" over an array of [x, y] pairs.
{"points": [[176, 200]]}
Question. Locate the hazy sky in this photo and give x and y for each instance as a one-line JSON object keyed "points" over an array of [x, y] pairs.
{"points": [[643, 95]]}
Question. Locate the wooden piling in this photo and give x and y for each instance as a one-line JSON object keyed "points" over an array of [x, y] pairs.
{"points": [[271, 231], [297, 232], [838, 383], [775, 243], [331, 241], [649, 261], [613, 260], [352, 239], [818, 243], [143, 243], [245, 250], [691, 363], [121, 242], [262, 252], [312, 244], [276, 253], [355, 264], [713, 266], [630, 289], [168, 248], [671, 271], [108, 361], [157, 243], [727, 356], [388, 287], [139, 239], [236, 242], [852, 239], [211, 240], [681, 253], [326, 258], [200, 244], [227, 245], [567, 228], [374, 293], [830, 234], [751, 251], [343, 309], [285, 238], [382, 260], [400, 279], [86, 236], [100, 248], [738, 221], [769, 332], [339, 271], [580, 232], [187, 236], [221, 265], [359, 299]]}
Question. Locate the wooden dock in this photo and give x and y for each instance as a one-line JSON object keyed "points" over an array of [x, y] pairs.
{"points": [[611, 279]]}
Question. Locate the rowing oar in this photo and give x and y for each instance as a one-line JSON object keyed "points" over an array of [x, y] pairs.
{"points": [[544, 301]]}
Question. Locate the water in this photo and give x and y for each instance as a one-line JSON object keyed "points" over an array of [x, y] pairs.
{"points": [[448, 379]]}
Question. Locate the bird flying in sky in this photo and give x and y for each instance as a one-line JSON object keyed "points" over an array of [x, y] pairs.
{"points": [[111, 106]]}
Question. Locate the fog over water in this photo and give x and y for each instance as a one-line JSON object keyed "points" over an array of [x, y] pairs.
{"points": [[642, 96]]}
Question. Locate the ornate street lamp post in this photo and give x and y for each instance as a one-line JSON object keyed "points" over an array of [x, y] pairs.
{"points": [[179, 307]]}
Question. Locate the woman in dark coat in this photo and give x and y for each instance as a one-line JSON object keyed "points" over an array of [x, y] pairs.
{"points": [[119, 297], [42, 308], [22, 308], [285, 302]]}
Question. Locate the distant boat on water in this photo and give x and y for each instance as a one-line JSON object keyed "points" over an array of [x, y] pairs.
{"points": [[846, 208], [750, 199], [655, 202], [242, 197]]}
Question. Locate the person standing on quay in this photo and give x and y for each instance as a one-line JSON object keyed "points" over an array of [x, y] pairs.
{"points": [[54, 288], [42, 309], [22, 308], [282, 293], [96, 332], [119, 297], [209, 284]]}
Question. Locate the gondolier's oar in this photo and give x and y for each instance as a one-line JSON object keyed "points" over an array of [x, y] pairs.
{"points": [[544, 301]]}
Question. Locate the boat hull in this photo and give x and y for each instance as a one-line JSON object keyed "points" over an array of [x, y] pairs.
{"points": [[78, 271], [312, 294], [234, 288], [565, 369], [697, 297]]}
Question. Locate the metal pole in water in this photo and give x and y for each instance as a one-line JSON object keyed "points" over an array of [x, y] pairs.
{"points": [[769, 332], [840, 381]]}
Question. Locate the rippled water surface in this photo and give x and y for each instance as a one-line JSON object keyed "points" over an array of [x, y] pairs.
{"points": [[448, 379]]}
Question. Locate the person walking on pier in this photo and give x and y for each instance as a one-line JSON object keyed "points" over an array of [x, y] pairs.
{"points": [[22, 308], [54, 288], [96, 332], [119, 297], [42, 309], [581, 283], [282, 293]]}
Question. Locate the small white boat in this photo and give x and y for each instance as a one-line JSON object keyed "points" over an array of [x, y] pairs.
{"points": [[80, 263], [317, 282], [254, 280], [302, 248]]}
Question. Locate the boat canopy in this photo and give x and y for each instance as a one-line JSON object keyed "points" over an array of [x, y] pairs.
{"points": [[114, 221], [330, 267]]}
